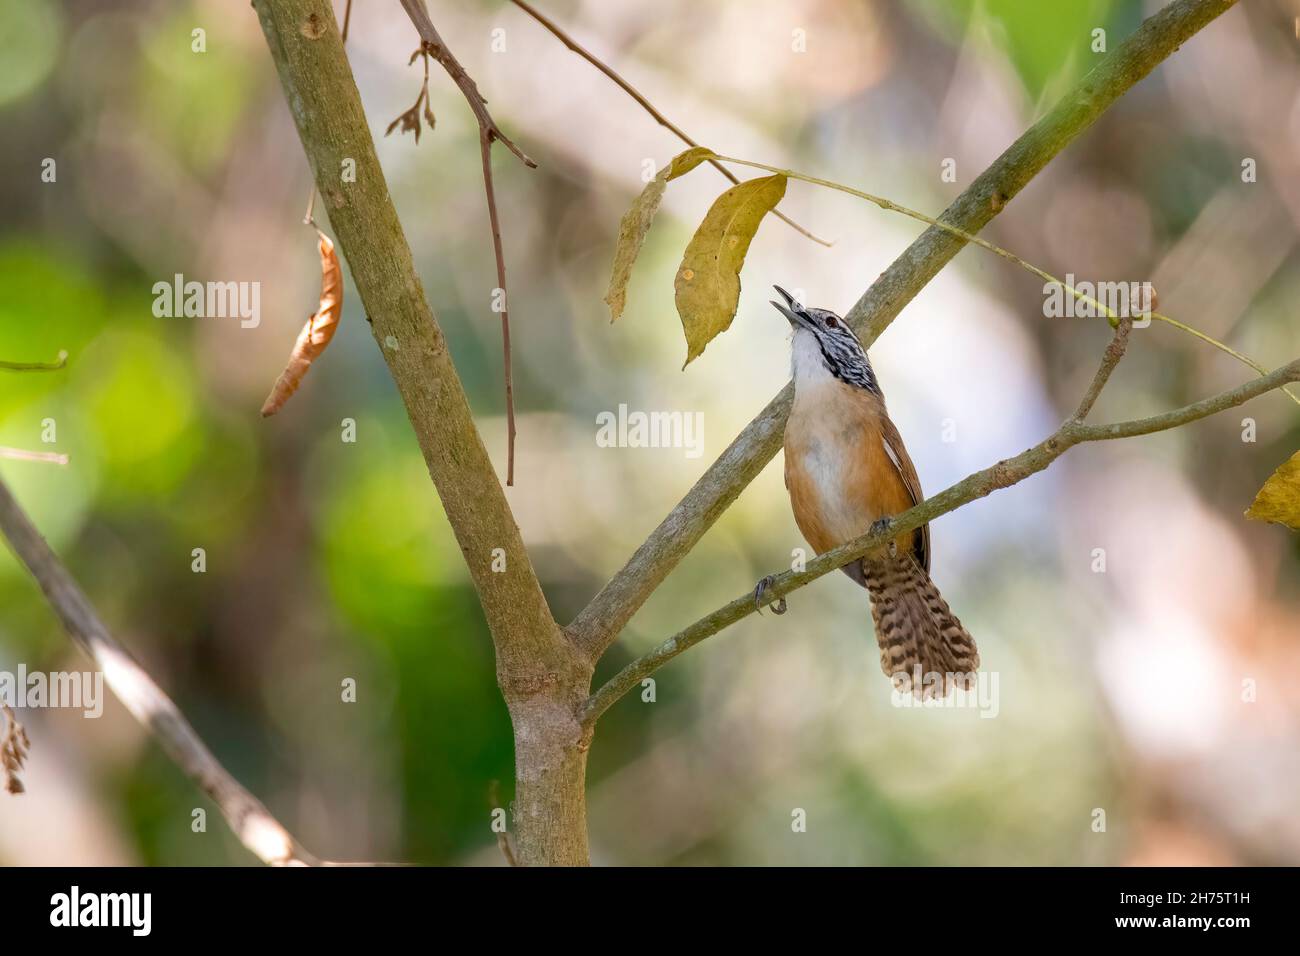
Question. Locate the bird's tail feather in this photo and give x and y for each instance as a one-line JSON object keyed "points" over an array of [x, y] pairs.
{"points": [[923, 647]]}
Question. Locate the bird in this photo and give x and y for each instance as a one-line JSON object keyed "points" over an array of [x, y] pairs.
{"points": [[848, 473]]}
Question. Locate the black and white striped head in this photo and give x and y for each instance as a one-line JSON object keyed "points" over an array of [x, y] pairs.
{"points": [[824, 346]]}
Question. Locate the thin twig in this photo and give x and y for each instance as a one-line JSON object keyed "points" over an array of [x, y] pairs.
{"points": [[1159, 36], [22, 454], [438, 50], [252, 823], [409, 120], [309, 218], [1114, 352], [644, 103], [1002, 475], [485, 148], [60, 362], [488, 133], [503, 836]]}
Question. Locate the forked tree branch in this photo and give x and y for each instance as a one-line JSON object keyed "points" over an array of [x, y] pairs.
{"points": [[252, 823], [419, 15], [1109, 359], [597, 626], [558, 32], [1002, 475], [489, 133], [543, 676], [326, 108]]}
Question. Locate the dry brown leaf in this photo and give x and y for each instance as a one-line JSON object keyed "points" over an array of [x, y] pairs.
{"points": [[14, 746], [316, 334]]}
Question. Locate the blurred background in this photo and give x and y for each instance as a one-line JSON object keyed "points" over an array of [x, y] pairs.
{"points": [[1161, 690]]}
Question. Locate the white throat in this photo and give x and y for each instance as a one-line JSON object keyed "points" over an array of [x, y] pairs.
{"points": [[807, 364]]}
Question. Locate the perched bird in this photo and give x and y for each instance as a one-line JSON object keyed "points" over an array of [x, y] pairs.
{"points": [[848, 473]]}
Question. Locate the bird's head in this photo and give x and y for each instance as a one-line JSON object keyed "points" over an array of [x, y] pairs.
{"points": [[823, 345]]}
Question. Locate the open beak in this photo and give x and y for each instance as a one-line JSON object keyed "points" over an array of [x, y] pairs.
{"points": [[792, 310]]}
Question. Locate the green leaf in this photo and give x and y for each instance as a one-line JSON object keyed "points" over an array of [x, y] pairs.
{"points": [[708, 280], [636, 221], [1279, 500]]}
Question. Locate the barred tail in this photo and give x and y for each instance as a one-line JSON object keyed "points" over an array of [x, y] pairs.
{"points": [[918, 634]]}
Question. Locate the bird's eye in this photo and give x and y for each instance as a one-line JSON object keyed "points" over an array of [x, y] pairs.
{"points": [[831, 323]]}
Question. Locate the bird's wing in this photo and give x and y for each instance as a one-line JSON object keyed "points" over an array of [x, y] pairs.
{"points": [[897, 453]]}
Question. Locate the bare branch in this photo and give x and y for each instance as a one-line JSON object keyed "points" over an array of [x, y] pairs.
{"points": [[485, 147], [503, 837], [22, 454], [1002, 475], [410, 120], [1114, 352], [543, 677], [309, 218], [252, 823], [54, 366], [331, 122], [644, 103], [488, 132], [415, 9], [1156, 39]]}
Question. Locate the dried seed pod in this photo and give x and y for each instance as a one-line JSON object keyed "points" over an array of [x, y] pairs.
{"points": [[316, 334]]}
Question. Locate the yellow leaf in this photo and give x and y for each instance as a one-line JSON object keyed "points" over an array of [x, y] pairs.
{"points": [[636, 221], [1279, 500], [684, 162], [708, 280]]}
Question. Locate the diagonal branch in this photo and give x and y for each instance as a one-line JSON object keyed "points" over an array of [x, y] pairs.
{"points": [[252, 823], [1114, 352], [489, 132], [543, 676], [326, 107], [54, 366], [641, 101], [1002, 475], [415, 9], [596, 627], [22, 454]]}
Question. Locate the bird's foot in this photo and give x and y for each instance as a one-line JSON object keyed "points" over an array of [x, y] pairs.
{"points": [[882, 526], [778, 606]]}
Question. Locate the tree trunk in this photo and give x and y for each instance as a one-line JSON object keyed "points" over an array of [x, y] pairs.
{"points": [[550, 811]]}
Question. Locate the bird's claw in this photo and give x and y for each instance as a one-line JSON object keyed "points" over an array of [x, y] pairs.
{"points": [[778, 606], [881, 526]]}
